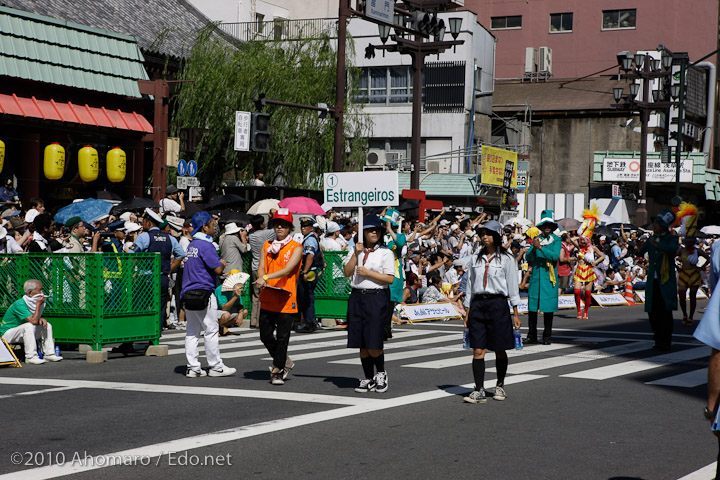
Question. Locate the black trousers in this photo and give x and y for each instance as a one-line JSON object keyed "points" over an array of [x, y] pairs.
{"points": [[532, 325], [661, 319], [275, 330], [164, 290]]}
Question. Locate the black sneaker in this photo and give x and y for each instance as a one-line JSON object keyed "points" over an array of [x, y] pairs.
{"points": [[381, 382], [366, 385]]}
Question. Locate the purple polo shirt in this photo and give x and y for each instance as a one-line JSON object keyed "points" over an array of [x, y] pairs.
{"points": [[200, 261]]}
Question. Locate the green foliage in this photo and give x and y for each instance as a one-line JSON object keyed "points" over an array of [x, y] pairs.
{"points": [[225, 78]]}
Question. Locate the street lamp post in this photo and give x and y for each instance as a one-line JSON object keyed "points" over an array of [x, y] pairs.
{"points": [[644, 67]]}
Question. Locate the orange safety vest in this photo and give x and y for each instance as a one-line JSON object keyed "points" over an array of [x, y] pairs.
{"points": [[277, 300]]}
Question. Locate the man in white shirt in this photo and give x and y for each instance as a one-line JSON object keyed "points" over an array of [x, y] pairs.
{"points": [[330, 242], [170, 202]]}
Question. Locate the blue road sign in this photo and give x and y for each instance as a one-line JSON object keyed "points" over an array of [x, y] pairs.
{"points": [[192, 168], [182, 167]]}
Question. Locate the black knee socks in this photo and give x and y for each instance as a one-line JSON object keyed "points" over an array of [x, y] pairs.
{"points": [[367, 365], [478, 366], [501, 364], [380, 362]]}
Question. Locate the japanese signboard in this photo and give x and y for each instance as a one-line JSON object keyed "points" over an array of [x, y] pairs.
{"points": [[381, 10], [628, 170], [493, 167], [242, 131]]}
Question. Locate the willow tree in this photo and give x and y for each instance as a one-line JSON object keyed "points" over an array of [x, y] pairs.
{"points": [[224, 78]]}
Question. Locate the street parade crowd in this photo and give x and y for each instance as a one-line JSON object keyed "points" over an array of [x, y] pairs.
{"points": [[386, 259]]}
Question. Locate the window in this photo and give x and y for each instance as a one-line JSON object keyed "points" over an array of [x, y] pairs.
{"points": [[384, 85], [561, 22], [504, 23], [618, 19]]}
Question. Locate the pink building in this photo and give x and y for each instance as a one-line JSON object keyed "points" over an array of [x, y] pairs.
{"points": [[585, 36]]}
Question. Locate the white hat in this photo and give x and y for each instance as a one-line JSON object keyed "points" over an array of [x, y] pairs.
{"points": [[454, 227], [125, 216], [154, 216], [231, 228], [31, 214], [332, 227], [175, 222], [470, 233], [444, 222], [131, 227], [3, 233]]}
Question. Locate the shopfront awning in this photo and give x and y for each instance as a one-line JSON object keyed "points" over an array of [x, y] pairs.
{"points": [[70, 113]]}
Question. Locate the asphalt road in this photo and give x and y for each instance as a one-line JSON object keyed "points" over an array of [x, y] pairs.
{"points": [[598, 403]]}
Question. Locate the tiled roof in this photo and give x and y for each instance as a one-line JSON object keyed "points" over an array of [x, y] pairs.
{"points": [[442, 184], [164, 26], [594, 93], [47, 50]]}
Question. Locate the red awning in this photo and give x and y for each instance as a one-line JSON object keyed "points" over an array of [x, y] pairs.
{"points": [[71, 113]]}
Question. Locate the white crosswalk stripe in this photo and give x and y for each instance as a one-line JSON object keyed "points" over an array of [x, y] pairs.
{"points": [[608, 355]]}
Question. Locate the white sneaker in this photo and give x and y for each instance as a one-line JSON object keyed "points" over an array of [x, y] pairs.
{"points": [[53, 358], [223, 372], [35, 361], [190, 373]]}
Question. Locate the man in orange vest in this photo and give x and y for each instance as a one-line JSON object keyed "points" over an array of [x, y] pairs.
{"points": [[278, 274]]}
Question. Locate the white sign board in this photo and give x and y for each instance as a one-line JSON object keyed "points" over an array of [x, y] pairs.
{"points": [[628, 170], [430, 311], [361, 189], [381, 10], [640, 294], [605, 299], [184, 182], [242, 131], [564, 302]]}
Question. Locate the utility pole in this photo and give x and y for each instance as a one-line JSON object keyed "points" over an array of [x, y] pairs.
{"points": [[339, 150]]}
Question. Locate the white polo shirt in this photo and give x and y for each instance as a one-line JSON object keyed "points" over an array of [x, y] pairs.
{"points": [[381, 260]]}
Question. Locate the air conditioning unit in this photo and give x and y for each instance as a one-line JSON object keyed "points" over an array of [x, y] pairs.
{"points": [[545, 59], [433, 166], [376, 158], [531, 54]]}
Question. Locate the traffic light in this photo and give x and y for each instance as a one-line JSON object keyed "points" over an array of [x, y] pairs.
{"points": [[260, 132]]}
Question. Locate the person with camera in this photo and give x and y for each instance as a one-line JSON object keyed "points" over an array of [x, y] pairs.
{"points": [[202, 266]]}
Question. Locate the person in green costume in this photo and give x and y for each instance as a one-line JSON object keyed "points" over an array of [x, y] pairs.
{"points": [[542, 257], [395, 241]]}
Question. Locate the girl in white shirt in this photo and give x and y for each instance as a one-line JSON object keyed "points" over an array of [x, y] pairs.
{"points": [[372, 268]]}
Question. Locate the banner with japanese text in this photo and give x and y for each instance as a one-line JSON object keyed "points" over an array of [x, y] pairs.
{"points": [[494, 162]]}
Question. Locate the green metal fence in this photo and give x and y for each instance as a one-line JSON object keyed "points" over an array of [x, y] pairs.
{"points": [[93, 298]]}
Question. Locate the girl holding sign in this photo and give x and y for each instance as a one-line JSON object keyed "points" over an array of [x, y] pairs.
{"points": [[492, 279], [372, 268]]}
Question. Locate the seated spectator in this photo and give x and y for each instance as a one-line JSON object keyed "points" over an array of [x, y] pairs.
{"points": [[23, 322], [231, 312], [433, 293], [41, 235], [37, 206], [615, 279], [8, 194]]}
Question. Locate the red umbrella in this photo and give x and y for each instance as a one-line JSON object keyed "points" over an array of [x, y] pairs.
{"points": [[302, 205]]}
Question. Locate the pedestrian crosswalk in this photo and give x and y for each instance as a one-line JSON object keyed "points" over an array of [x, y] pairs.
{"points": [[574, 354]]}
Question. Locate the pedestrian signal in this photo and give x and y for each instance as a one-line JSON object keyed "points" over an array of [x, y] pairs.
{"points": [[260, 132]]}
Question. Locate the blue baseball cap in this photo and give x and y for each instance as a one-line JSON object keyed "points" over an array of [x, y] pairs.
{"points": [[372, 221], [198, 220]]}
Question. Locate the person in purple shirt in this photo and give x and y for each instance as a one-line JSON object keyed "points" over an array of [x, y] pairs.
{"points": [[202, 266]]}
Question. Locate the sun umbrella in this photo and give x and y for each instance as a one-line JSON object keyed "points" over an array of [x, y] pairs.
{"points": [[224, 201], [520, 221], [711, 230], [191, 208], [569, 224], [408, 205], [227, 216], [625, 226], [603, 230], [136, 203], [89, 210], [302, 205], [106, 195], [263, 206]]}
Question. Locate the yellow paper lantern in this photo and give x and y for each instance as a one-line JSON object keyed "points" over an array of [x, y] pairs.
{"points": [[88, 164], [116, 165], [2, 155], [54, 162]]}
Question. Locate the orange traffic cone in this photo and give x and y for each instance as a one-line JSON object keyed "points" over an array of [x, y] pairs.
{"points": [[629, 297]]}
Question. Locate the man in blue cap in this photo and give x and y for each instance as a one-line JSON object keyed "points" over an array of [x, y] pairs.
{"points": [[202, 266], [154, 240], [661, 289], [542, 257]]}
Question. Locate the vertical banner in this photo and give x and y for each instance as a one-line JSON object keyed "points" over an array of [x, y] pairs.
{"points": [[493, 166]]}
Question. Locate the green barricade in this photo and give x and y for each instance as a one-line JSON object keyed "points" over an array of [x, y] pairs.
{"points": [[333, 288], [93, 298]]}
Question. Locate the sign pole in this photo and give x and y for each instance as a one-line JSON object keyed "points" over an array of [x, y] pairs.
{"points": [[361, 237]]}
